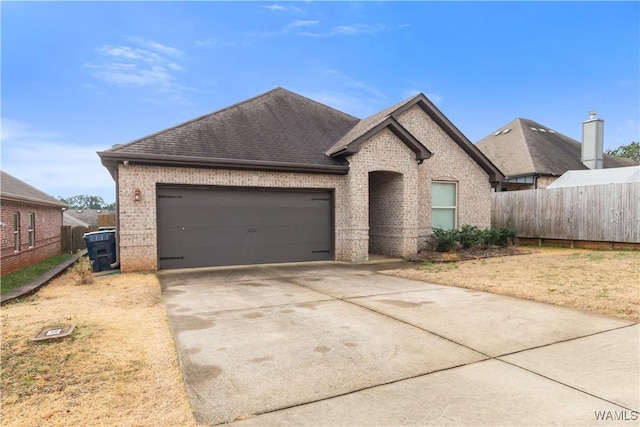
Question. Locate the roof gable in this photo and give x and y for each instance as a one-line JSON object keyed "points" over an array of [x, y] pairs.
{"points": [[350, 143], [11, 188], [525, 147]]}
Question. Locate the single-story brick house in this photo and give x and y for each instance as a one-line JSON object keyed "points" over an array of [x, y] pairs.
{"points": [[281, 178], [31, 224]]}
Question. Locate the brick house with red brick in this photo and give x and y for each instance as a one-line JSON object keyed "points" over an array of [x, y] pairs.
{"points": [[281, 178], [31, 224]]}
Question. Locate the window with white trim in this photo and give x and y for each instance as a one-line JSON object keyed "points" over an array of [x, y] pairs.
{"points": [[444, 205], [16, 231], [32, 230]]}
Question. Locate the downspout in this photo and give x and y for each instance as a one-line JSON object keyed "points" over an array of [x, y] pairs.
{"points": [[117, 263]]}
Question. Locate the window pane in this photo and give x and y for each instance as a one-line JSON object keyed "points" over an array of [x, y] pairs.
{"points": [[443, 218], [443, 194]]}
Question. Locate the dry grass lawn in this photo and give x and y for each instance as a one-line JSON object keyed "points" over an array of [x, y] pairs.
{"points": [[602, 282], [118, 368]]}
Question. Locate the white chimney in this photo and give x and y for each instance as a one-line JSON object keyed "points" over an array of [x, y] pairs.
{"points": [[592, 141]]}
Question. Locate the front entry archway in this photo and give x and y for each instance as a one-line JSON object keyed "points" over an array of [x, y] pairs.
{"points": [[386, 216]]}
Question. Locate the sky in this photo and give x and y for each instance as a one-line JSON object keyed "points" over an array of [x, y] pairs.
{"points": [[80, 77]]}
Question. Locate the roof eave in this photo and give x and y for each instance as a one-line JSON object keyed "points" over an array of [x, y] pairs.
{"points": [[110, 160], [421, 152], [23, 199]]}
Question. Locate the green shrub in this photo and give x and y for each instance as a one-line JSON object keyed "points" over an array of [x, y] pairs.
{"points": [[469, 236], [445, 239], [506, 236]]}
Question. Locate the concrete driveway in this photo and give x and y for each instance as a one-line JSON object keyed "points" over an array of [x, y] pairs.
{"points": [[341, 344]]}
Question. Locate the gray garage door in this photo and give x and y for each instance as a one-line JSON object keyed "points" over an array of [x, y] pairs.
{"points": [[202, 227]]}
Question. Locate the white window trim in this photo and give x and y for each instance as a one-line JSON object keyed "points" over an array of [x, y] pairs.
{"points": [[16, 231], [455, 208], [31, 230]]}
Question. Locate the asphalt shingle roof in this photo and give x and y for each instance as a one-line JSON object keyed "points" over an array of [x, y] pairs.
{"points": [[11, 187], [280, 130], [278, 126], [525, 151]]}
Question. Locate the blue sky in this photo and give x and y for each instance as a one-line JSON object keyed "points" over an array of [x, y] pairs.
{"points": [[79, 77]]}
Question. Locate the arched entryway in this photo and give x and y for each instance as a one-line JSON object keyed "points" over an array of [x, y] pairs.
{"points": [[386, 213]]}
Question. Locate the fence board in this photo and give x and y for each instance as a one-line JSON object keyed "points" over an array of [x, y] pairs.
{"points": [[609, 213]]}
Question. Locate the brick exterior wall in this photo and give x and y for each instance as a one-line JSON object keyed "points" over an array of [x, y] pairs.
{"points": [[48, 241], [382, 205], [383, 152], [448, 163], [385, 212], [137, 219], [545, 181]]}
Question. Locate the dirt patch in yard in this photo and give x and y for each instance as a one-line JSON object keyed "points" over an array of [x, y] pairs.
{"points": [[118, 367], [602, 282]]}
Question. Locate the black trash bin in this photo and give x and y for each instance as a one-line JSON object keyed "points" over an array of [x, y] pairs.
{"points": [[101, 247]]}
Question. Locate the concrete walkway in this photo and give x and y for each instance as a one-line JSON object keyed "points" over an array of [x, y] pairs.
{"points": [[35, 284], [340, 344]]}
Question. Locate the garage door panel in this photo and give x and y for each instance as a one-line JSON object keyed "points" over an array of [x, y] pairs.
{"points": [[200, 227]]}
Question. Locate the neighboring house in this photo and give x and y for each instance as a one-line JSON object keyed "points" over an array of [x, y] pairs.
{"points": [[280, 178], [71, 221], [533, 156], [87, 217], [31, 224], [626, 175]]}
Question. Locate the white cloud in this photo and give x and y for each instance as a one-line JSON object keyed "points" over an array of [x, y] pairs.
{"points": [[301, 23], [48, 162], [166, 50], [344, 29], [274, 7], [279, 8], [358, 29], [144, 63]]}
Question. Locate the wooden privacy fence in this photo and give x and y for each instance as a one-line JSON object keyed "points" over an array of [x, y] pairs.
{"points": [[604, 213], [72, 240]]}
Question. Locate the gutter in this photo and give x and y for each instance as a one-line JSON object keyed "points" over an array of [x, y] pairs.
{"points": [[117, 263], [111, 160]]}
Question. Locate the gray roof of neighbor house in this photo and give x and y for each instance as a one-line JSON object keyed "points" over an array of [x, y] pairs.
{"points": [[11, 188], [87, 216], [73, 221], [524, 147], [280, 130]]}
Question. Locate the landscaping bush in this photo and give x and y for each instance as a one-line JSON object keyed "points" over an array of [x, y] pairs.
{"points": [[445, 239], [470, 236]]}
